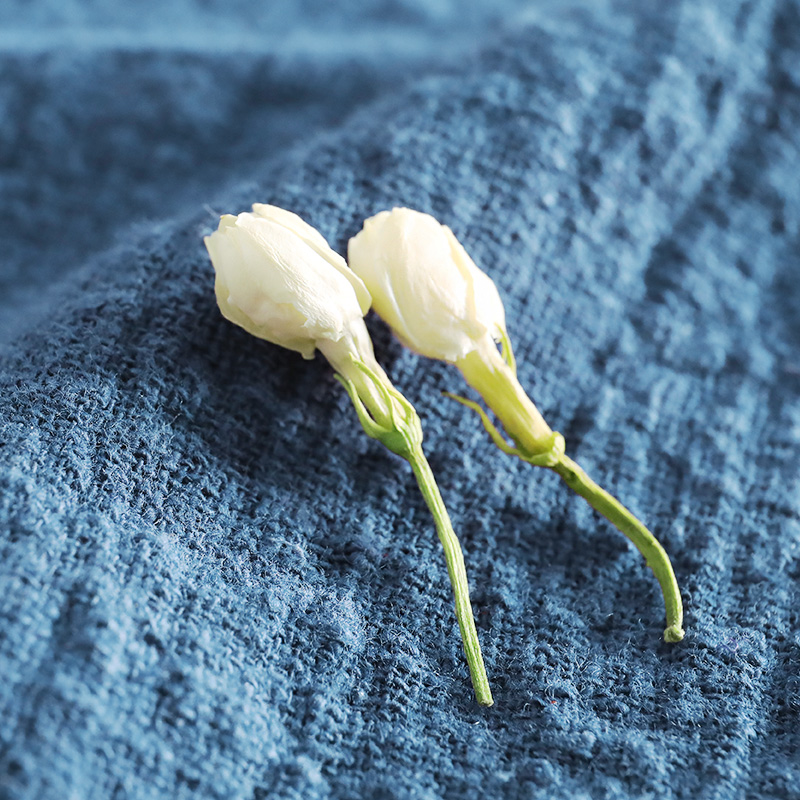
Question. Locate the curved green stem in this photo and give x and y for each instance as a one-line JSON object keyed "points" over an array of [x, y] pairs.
{"points": [[494, 378], [387, 416], [647, 544], [458, 575]]}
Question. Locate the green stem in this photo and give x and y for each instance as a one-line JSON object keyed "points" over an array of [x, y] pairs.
{"points": [[458, 574], [495, 380], [647, 544], [388, 417]]}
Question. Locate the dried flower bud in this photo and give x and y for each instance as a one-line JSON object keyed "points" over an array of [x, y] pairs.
{"points": [[279, 280], [425, 286]]}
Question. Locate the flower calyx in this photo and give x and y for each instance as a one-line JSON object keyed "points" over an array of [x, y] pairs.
{"points": [[550, 454], [393, 421]]}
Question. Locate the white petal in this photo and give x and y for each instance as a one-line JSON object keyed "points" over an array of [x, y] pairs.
{"points": [[424, 284], [273, 283], [291, 221], [316, 241]]}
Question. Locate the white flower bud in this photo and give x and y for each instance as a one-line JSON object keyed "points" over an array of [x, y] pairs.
{"points": [[425, 286], [434, 298], [277, 278]]}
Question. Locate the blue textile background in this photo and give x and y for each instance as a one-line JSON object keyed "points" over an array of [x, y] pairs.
{"points": [[212, 584]]}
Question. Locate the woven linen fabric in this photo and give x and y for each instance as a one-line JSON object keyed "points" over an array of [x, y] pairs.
{"points": [[114, 113], [213, 584]]}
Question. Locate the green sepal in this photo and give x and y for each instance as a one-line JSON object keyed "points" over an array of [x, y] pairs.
{"points": [[371, 428], [401, 433], [508, 352], [548, 457]]}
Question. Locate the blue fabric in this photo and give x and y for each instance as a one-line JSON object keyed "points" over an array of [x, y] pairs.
{"points": [[212, 584]]}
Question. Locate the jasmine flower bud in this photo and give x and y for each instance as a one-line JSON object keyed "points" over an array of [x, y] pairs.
{"points": [[425, 286], [429, 291], [278, 278], [438, 303]]}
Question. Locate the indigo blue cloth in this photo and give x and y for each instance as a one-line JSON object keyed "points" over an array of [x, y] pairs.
{"points": [[212, 584]]}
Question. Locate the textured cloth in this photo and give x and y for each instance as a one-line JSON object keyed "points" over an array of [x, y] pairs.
{"points": [[213, 584]]}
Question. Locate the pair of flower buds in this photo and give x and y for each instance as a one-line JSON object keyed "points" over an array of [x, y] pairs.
{"points": [[278, 278]]}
